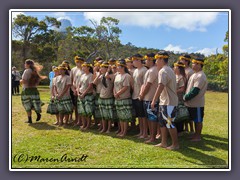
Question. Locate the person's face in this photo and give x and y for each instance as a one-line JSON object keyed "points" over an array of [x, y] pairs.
{"points": [[56, 73], [103, 70], [136, 63], [148, 63], [85, 69], [114, 70], [129, 65], [120, 69], [78, 64], [176, 70], [62, 71], [26, 65], [185, 62], [196, 66], [96, 68], [160, 63]]}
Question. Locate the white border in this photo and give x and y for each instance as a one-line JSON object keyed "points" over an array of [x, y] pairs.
{"points": [[119, 10]]}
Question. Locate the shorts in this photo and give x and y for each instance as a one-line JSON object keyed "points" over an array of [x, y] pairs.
{"points": [[138, 106], [149, 113], [196, 114], [166, 116]]}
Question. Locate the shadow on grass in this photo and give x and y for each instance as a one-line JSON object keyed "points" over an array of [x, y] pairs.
{"points": [[43, 126], [195, 150]]}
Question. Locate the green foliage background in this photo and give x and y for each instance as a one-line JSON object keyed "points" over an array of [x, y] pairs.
{"points": [[39, 41]]}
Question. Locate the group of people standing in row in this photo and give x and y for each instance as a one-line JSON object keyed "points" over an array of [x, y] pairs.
{"points": [[119, 91]]}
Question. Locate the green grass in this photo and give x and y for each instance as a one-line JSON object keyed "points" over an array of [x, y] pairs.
{"points": [[108, 151]]}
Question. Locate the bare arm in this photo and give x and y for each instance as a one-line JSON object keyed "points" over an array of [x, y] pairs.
{"points": [[157, 94], [96, 79], [144, 90], [121, 91], [181, 89], [90, 86]]}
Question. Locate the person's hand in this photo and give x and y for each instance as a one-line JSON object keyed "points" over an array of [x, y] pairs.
{"points": [[59, 96], [95, 69], [82, 95], [152, 105], [109, 69], [75, 93], [116, 95], [140, 97]]}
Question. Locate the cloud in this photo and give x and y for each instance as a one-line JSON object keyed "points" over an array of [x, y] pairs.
{"points": [[14, 14], [176, 49], [207, 51], [190, 21], [61, 15], [179, 49]]}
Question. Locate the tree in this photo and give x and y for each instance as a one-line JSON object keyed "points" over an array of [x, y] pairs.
{"points": [[225, 47], [27, 27], [102, 39]]}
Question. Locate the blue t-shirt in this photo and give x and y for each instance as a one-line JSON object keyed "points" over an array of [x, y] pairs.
{"points": [[51, 76]]}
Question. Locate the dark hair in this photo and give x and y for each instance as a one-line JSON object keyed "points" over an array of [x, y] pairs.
{"points": [[90, 67], [79, 58], [98, 58], [181, 69], [66, 71], [111, 60], [163, 53], [137, 55], [122, 63], [67, 62], [200, 59], [35, 76], [152, 55], [187, 56]]}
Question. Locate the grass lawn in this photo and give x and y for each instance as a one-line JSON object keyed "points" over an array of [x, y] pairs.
{"points": [[108, 151]]}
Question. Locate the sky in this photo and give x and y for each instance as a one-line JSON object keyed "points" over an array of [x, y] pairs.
{"points": [[178, 31]]}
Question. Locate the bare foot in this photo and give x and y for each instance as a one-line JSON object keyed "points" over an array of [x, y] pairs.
{"points": [[56, 123], [107, 131], [161, 145], [158, 136], [172, 148], [77, 124], [122, 135], [138, 135], [143, 137], [117, 132], [82, 128], [102, 131], [150, 141]]}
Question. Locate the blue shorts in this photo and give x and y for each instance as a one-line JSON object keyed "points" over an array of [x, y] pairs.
{"points": [[166, 116], [149, 113], [196, 114]]}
